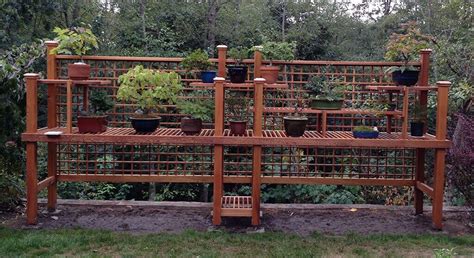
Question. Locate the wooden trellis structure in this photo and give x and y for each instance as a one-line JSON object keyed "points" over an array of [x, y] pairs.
{"points": [[326, 154]]}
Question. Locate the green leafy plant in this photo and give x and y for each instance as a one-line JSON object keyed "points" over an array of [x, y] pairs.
{"points": [[406, 47], [150, 89], [323, 87], [278, 51], [197, 60], [238, 54], [419, 113], [75, 41], [197, 108], [100, 103], [237, 104], [363, 128]]}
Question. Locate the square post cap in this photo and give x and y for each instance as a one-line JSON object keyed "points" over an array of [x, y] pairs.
{"points": [[259, 80], [219, 79], [426, 51], [221, 47], [443, 83], [51, 43], [31, 75]]}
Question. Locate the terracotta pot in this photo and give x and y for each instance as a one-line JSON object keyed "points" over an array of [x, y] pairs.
{"points": [[145, 124], [295, 125], [270, 73], [407, 78], [238, 127], [92, 124], [78, 71], [191, 126]]}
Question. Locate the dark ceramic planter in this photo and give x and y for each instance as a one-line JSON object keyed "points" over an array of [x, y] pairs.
{"points": [[365, 135], [417, 128], [407, 78], [237, 127], [145, 124], [237, 73], [326, 104], [92, 124], [295, 126], [191, 126], [208, 76], [78, 71]]}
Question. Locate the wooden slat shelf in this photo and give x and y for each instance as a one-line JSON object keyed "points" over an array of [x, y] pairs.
{"points": [[247, 85], [327, 111], [236, 206], [207, 137], [401, 88]]}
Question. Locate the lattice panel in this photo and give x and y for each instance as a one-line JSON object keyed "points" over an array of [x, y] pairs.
{"points": [[238, 161], [288, 162], [118, 159]]}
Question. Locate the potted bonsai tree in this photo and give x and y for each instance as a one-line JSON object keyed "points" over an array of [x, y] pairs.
{"points": [[326, 93], [417, 124], [406, 47], [369, 129], [276, 51], [149, 89], [196, 110], [295, 124], [364, 131], [238, 71], [199, 60], [76, 41], [237, 104], [94, 120]]}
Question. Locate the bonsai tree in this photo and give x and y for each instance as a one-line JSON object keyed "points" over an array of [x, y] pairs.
{"points": [[76, 41], [417, 124], [238, 54], [150, 90], [405, 47], [199, 60], [196, 110], [326, 92], [94, 120], [237, 105], [238, 71], [275, 51]]}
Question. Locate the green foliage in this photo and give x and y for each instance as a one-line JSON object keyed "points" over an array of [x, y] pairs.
{"points": [[100, 102], [75, 41], [278, 51], [445, 253], [323, 87], [419, 113], [198, 60], [312, 194], [238, 105], [197, 108], [406, 46], [363, 128], [149, 88], [238, 54]]}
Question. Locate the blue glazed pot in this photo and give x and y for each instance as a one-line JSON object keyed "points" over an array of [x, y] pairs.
{"points": [[365, 135], [208, 76], [145, 125]]}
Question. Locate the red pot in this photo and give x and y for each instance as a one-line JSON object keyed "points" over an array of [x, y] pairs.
{"points": [[78, 71], [238, 127], [191, 126], [270, 73], [92, 124]]}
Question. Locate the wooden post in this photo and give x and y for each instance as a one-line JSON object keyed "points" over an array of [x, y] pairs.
{"points": [[52, 122], [405, 113], [257, 62], [222, 60], [218, 150], [31, 148], [257, 150], [69, 106], [439, 165]]}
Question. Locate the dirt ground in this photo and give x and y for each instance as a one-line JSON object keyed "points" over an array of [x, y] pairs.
{"points": [[303, 220]]}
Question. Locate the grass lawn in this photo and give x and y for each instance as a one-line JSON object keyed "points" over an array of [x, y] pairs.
{"points": [[78, 242]]}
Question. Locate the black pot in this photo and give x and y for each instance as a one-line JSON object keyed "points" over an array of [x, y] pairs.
{"points": [[407, 78], [191, 126], [295, 125], [237, 73], [237, 127], [417, 128], [145, 124]]}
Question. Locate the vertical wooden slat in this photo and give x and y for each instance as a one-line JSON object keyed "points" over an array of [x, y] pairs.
{"points": [[31, 184], [69, 106], [257, 151], [221, 56], [442, 110], [31, 102], [52, 122], [218, 150], [405, 113], [257, 62]]}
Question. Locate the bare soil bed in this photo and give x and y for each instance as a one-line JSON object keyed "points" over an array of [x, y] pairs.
{"points": [[140, 217]]}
